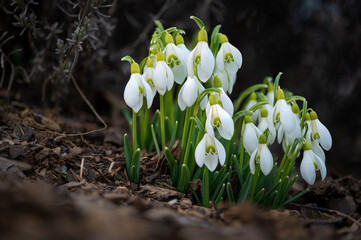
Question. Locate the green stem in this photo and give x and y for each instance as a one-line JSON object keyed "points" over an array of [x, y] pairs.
{"points": [[255, 180], [145, 125], [189, 142], [185, 132], [206, 188], [162, 128], [134, 132], [169, 101]]}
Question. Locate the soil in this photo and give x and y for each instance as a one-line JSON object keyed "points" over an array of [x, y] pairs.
{"points": [[56, 187]]}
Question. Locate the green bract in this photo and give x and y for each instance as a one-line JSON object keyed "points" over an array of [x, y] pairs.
{"points": [[234, 162]]}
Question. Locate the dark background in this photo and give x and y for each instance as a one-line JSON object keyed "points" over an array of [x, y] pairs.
{"points": [[315, 43]]}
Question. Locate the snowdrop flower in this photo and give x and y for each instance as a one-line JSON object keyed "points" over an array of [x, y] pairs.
{"points": [[282, 113], [320, 132], [228, 57], [180, 43], [221, 98], [263, 156], [315, 146], [201, 60], [209, 151], [252, 100], [148, 76], [266, 123], [176, 59], [310, 163], [250, 135], [270, 93], [136, 89], [219, 118], [163, 77], [189, 93], [290, 136]]}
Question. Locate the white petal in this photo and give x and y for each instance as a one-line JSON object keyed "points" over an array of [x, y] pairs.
{"points": [[307, 168], [237, 56], [318, 150], [206, 66], [131, 92], [190, 92], [252, 161], [169, 76], [286, 117], [266, 160], [209, 127], [221, 151], [250, 139], [190, 63], [325, 136], [211, 161], [232, 80], [320, 165], [220, 58], [227, 103], [226, 129], [181, 103], [160, 78], [204, 101], [139, 105], [222, 75], [280, 134], [200, 152], [148, 93]]}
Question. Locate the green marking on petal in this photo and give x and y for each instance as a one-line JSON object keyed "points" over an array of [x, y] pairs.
{"points": [[141, 91], [228, 58], [216, 122], [197, 59], [264, 112], [210, 149], [173, 61], [150, 82]]}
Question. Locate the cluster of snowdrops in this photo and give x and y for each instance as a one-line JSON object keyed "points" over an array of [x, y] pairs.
{"points": [[226, 144]]}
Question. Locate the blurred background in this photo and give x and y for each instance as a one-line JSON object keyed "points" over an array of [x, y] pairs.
{"points": [[315, 43]]}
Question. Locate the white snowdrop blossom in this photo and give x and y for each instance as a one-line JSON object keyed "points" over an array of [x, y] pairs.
{"points": [[266, 122], [221, 98], [176, 59], [229, 58], [282, 114], [263, 156], [219, 118], [209, 151], [136, 89], [290, 136], [180, 44], [250, 135], [315, 146], [201, 60], [148, 76], [189, 93], [163, 78], [310, 164], [320, 132]]}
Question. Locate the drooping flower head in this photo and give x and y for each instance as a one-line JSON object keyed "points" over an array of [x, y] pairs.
{"points": [[315, 145], [163, 76], [201, 60], [310, 164], [266, 122], [209, 151], [180, 43], [221, 98], [217, 117], [320, 132], [263, 156], [228, 57], [148, 76], [250, 135], [136, 89], [176, 59], [189, 93]]}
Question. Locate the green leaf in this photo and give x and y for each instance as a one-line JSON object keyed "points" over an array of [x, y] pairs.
{"points": [[169, 156], [295, 197], [195, 195], [184, 179], [241, 114], [155, 117], [246, 189], [174, 133], [215, 42], [142, 64], [128, 59], [217, 180], [198, 123], [155, 139], [258, 105], [219, 197], [159, 25], [198, 21], [275, 87], [174, 175], [136, 165], [221, 183], [258, 196], [230, 193], [128, 154], [205, 188]]}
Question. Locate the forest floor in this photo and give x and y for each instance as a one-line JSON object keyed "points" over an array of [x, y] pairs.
{"points": [[55, 187]]}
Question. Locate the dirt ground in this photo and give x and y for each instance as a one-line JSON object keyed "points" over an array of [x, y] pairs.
{"points": [[54, 187]]}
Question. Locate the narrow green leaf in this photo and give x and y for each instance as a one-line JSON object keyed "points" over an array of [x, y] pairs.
{"points": [[221, 183], [128, 59], [275, 87], [230, 193], [174, 175], [198, 123], [215, 42], [184, 179], [174, 133], [195, 195], [198, 173], [246, 189], [217, 180], [136, 165], [219, 197], [142, 64], [159, 25], [205, 188], [169, 156], [240, 114], [155, 139], [258, 196], [198, 21], [295, 197], [258, 105], [128, 154]]}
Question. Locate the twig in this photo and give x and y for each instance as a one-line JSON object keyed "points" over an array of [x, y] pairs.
{"points": [[81, 168], [326, 210]]}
